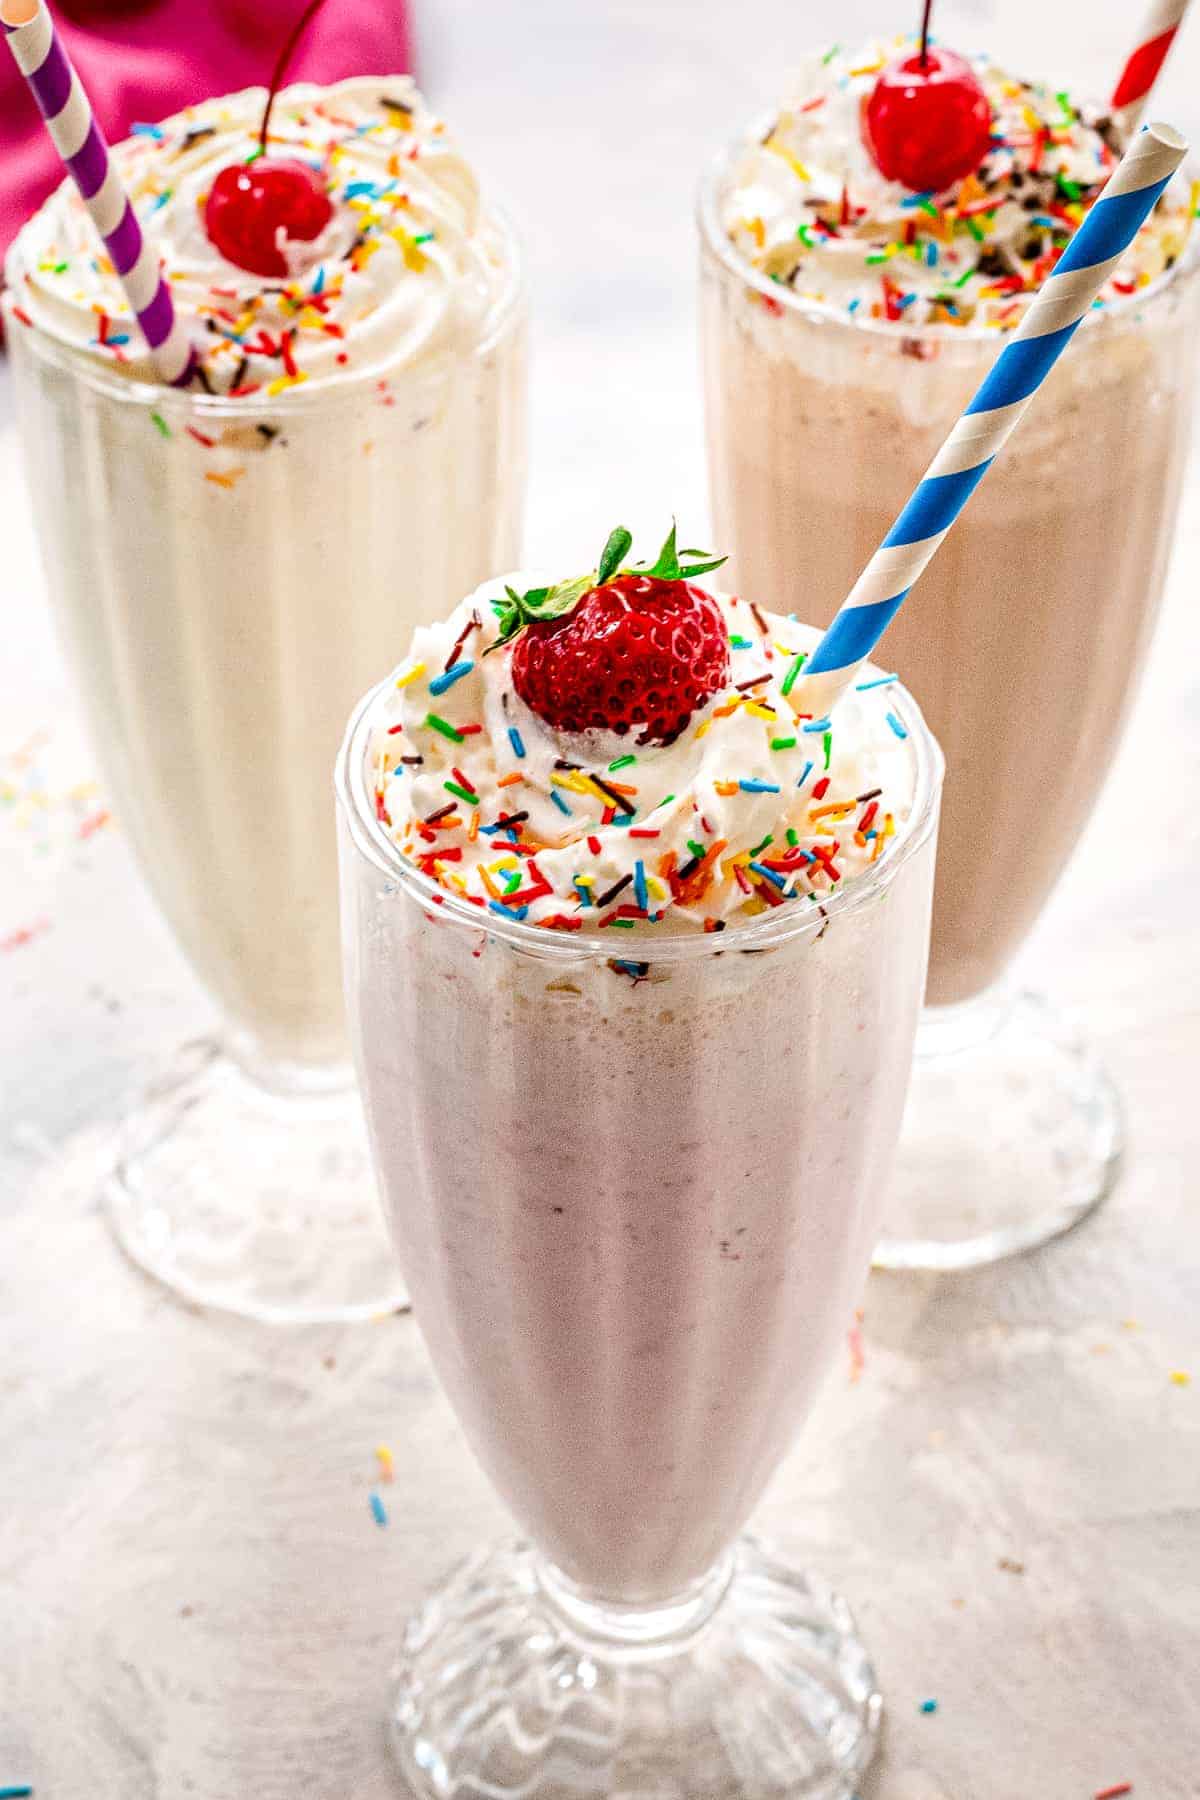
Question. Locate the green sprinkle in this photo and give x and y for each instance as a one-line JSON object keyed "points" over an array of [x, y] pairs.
{"points": [[622, 762], [759, 848], [665, 801], [695, 848], [806, 237], [962, 280], [1064, 100], [1071, 189], [927, 206], [424, 237], [976, 230], [783, 743], [512, 881], [827, 741], [876, 256], [452, 787], [161, 424], [625, 924], [447, 731], [789, 680], [830, 54], [793, 836]]}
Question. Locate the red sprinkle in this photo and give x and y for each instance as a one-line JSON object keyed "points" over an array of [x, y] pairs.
{"points": [[1114, 1793], [821, 788], [640, 832], [20, 313], [209, 443]]}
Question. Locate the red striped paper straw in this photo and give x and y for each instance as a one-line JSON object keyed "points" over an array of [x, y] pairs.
{"points": [[1144, 66], [39, 54]]}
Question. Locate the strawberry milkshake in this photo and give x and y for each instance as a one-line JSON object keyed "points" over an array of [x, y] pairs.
{"points": [[864, 256], [230, 564], [634, 958]]}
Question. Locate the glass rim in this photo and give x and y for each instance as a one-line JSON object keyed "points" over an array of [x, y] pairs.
{"points": [[356, 806], [716, 242], [99, 377]]}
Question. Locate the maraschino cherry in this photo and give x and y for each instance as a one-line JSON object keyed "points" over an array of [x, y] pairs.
{"points": [[928, 122], [254, 208]]}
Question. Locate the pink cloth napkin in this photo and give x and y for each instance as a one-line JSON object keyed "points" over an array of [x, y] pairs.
{"points": [[142, 59]]}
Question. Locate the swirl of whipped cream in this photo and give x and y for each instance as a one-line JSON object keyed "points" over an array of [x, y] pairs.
{"points": [[806, 205], [749, 808], [408, 264]]}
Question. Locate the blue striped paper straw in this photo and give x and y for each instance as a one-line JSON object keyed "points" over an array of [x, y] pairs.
{"points": [[39, 54], [1010, 384]]}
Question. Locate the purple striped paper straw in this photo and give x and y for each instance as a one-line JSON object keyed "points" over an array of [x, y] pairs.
{"points": [[39, 54]]}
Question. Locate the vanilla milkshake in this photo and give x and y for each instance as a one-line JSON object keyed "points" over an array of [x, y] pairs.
{"points": [[633, 1024], [230, 565], [846, 321]]}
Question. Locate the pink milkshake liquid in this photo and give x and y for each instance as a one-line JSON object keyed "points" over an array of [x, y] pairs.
{"points": [[1025, 638], [635, 1178]]}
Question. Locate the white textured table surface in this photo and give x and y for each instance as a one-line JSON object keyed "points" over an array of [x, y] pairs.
{"points": [[194, 1598]]}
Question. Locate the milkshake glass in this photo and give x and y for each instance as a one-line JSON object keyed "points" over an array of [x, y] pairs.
{"points": [[635, 1178], [229, 565], [1027, 633]]}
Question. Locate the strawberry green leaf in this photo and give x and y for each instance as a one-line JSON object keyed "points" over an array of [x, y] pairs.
{"points": [[619, 544]]}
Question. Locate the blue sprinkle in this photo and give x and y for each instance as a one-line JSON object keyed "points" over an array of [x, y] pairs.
{"points": [[489, 830], [896, 726], [805, 772], [929, 1706], [770, 874], [509, 912], [854, 305], [582, 891], [516, 740], [759, 787], [741, 643], [161, 199], [931, 254], [637, 970], [861, 687], [318, 285], [379, 1510], [808, 856], [355, 190], [906, 302], [560, 802], [440, 683], [911, 200], [817, 725], [640, 893], [150, 131]]}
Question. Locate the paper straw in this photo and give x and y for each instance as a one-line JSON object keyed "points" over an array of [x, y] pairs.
{"points": [[39, 54], [1010, 384], [1142, 70]]}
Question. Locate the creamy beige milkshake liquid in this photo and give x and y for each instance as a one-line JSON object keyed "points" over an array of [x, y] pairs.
{"points": [[1026, 634], [635, 1174], [230, 568]]}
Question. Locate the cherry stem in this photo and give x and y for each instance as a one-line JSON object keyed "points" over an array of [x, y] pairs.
{"points": [[282, 61], [925, 33]]}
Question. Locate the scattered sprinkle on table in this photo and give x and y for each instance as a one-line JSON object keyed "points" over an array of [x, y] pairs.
{"points": [[929, 1706], [1180, 1377], [387, 1462], [378, 1510], [1114, 1792]]}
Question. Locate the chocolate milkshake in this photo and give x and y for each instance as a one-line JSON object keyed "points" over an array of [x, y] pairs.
{"points": [[846, 322], [633, 1014]]}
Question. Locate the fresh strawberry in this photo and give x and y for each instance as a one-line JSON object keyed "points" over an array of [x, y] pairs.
{"points": [[625, 651]]}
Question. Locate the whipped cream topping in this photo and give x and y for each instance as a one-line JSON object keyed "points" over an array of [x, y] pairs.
{"points": [[406, 266], [806, 205], [751, 807]]}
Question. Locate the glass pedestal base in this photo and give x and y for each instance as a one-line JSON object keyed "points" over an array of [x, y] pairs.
{"points": [[253, 1202], [752, 1686], [1012, 1135]]}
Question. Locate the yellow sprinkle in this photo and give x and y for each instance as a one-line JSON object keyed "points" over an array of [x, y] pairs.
{"points": [[707, 726], [656, 888], [1180, 1377], [387, 1466], [793, 162], [414, 674], [757, 711], [757, 230], [867, 69], [286, 381]]}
